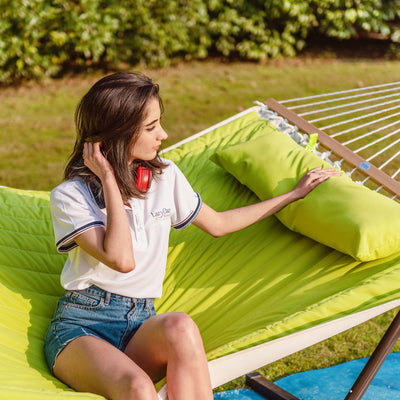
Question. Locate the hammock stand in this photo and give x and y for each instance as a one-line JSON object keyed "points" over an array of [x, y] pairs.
{"points": [[372, 173], [257, 295]]}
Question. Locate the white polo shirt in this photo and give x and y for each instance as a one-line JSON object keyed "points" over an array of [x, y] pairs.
{"points": [[170, 201]]}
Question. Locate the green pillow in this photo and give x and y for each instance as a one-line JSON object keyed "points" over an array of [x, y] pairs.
{"points": [[339, 213]]}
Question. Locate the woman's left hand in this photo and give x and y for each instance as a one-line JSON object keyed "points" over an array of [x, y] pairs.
{"points": [[312, 179], [220, 223]]}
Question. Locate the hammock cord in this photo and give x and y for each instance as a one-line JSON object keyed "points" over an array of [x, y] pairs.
{"points": [[370, 133], [356, 111], [365, 120], [370, 144], [339, 92], [360, 117], [364, 125], [346, 105]]}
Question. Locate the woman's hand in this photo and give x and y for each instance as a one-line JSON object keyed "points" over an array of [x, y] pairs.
{"points": [[94, 159], [111, 245], [312, 179]]}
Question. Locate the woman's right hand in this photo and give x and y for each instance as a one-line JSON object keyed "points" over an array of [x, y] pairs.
{"points": [[94, 159], [111, 245]]}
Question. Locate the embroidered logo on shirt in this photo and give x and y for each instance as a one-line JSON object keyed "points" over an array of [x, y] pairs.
{"points": [[163, 213]]}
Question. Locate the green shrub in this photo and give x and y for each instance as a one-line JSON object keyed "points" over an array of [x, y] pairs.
{"points": [[40, 38], [156, 31], [346, 18]]}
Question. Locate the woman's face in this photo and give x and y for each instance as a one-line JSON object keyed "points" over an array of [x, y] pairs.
{"points": [[151, 134]]}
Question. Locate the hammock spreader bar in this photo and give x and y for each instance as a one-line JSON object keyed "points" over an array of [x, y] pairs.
{"points": [[378, 176]]}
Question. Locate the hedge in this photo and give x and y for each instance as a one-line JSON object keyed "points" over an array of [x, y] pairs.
{"points": [[40, 38]]}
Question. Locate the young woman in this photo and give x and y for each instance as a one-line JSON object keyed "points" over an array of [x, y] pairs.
{"points": [[105, 336]]}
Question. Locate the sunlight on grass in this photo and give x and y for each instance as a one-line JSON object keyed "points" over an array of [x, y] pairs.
{"points": [[36, 120]]}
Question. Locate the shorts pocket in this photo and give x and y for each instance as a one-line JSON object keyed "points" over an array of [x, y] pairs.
{"points": [[84, 301]]}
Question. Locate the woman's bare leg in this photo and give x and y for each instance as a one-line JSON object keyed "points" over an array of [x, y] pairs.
{"points": [[90, 364], [171, 344]]}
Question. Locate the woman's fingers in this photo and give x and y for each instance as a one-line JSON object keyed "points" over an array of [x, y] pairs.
{"points": [[87, 151], [92, 154], [91, 149], [95, 160], [96, 149], [313, 178], [320, 174]]}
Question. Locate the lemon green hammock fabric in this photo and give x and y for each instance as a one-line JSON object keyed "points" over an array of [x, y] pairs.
{"points": [[247, 289]]}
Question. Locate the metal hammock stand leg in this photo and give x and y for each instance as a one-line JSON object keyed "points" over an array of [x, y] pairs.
{"points": [[271, 391], [368, 117]]}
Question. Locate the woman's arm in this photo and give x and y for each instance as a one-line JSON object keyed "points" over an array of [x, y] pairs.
{"points": [[221, 223], [111, 246]]}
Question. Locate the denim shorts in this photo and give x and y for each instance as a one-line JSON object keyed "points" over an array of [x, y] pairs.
{"points": [[95, 312]]}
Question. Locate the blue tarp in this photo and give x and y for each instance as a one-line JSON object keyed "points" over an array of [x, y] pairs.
{"points": [[333, 383], [238, 394]]}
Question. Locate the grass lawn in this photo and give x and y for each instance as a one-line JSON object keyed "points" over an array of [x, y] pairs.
{"points": [[37, 135], [36, 120]]}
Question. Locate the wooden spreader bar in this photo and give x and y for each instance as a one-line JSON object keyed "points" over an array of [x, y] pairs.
{"points": [[256, 381], [378, 176]]}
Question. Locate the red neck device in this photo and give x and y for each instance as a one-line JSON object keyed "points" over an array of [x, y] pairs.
{"points": [[143, 179]]}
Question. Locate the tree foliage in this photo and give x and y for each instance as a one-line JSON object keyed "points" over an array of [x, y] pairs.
{"points": [[40, 38]]}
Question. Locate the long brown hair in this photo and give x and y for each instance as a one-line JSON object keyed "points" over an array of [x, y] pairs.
{"points": [[112, 113]]}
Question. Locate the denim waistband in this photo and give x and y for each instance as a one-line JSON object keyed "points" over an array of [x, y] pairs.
{"points": [[96, 291]]}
